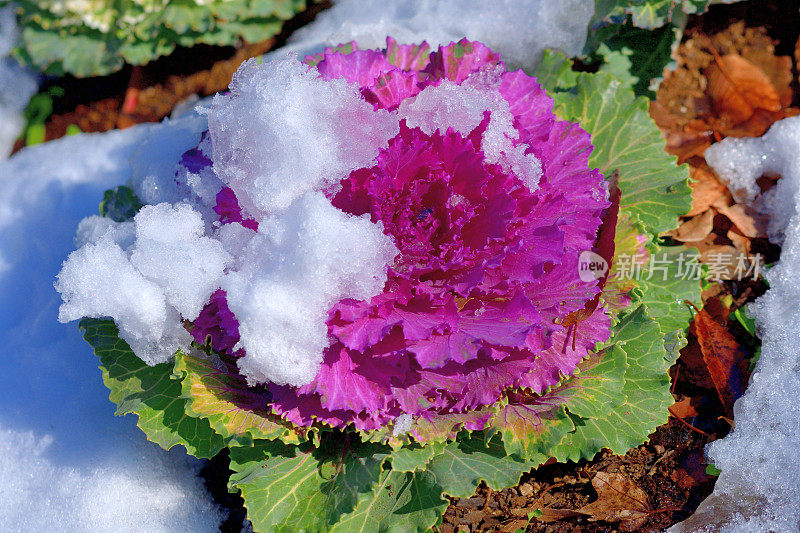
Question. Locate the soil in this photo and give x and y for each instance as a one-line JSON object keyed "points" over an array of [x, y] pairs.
{"points": [[670, 467]]}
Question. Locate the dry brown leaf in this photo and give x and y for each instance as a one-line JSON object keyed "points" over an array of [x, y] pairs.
{"points": [[724, 357], [718, 308], [797, 51], [749, 222], [722, 260], [706, 189], [741, 242], [737, 88], [546, 514], [683, 408], [755, 126], [777, 68], [696, 228], [688, 145], [619, 499], [683, 479], [694, 368], [663, 118]]}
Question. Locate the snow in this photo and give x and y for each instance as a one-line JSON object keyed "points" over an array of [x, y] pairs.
{"points": [[519, 29], [283, 131], [172, 251], [402, 425], [759, 487], [135, 488], [277, 139], [293, 271], [462, 108], [66, 462], [17, 84], [168, 271]]}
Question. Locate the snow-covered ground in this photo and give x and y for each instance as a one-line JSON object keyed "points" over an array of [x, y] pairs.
{"points": [[66, 463], [759, 487], [519, 29]]}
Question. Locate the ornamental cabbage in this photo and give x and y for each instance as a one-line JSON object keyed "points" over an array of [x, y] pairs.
{"points": [[377, 256], [96, 37], [489, 201]]}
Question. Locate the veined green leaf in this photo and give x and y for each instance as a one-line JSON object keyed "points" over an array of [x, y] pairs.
{"points": [[415, 458], [401, 503], [672, 277], [531, 430], [555, 73], [463, 464], [223, 398], [647, 53], [303, 488], [120, 204], [148, 392], [654, 188], [638, 407]]}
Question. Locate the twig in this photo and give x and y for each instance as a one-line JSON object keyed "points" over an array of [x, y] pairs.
{"points": [[664, 456], [688, 425]]}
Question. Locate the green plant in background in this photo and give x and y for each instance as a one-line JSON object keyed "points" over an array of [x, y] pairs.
{"points": [[96, 37], [635, 38], [37, 113]]}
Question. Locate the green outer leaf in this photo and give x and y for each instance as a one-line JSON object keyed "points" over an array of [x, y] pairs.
{"points": [[531, 431], [673, 344], [639, 407], [535, 430], [615, 400], [444, 426], [120, 204], [597, 385], [463, 464], [646, 14], [555, 73], [654, 188], [149, 392], [617, 63], [280, 486], [415, 458], [637, 57], [302, 488], [401, 502], [666, 290], [223, 398]]}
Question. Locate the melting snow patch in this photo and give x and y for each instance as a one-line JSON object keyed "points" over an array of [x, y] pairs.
{"points": [[462, 108], [139, 489], [283, 131]]}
